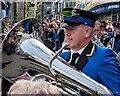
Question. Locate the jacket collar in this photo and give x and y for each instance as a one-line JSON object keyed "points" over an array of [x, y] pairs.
{"points": [[88, 51]]}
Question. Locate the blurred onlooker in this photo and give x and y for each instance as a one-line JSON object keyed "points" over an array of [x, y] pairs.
{"points": [[103, 26], [10, 24], [58, 22], [3, 8], [107, 37], [109, 24], [48, 38], [110, 32], [61, 36], [53, 35], [34, 88], [28, 26], [45, 29], [61, 22], [117, 36], [97, 30], [8, 9]]}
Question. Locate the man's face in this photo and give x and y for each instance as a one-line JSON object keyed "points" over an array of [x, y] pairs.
{"points": [[76, 36], [97, 30], [117, 30]]}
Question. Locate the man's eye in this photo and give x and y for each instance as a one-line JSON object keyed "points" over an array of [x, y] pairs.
{"points": [[70, 28]]}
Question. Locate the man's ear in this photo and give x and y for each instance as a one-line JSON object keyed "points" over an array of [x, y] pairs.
{"points": [[88, 32]]}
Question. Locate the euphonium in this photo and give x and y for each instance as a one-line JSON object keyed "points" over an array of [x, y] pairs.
{"points": [[29, 53]]}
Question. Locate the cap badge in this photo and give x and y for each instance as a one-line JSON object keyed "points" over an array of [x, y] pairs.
{"points": [[74, 13]]}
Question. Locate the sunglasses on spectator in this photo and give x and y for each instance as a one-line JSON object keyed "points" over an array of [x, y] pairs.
{"points": [[96, 30]]}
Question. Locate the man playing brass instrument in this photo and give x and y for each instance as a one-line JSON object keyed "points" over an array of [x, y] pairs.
{"points": [[97, 62]]}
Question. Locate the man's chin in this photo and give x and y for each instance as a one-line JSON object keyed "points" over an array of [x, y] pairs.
{"points": [[71, 46]]}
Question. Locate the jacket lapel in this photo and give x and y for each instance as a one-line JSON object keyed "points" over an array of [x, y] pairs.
{"points": [[82, 61]]}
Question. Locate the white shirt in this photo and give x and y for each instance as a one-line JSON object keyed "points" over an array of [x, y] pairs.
{"points": [[79, 51]]}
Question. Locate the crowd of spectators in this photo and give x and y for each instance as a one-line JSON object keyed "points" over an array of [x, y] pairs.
{"points": [[53, 35], [6, 8], [108, 33]]}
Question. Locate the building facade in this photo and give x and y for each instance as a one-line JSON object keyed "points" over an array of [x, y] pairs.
{"points": [[51, 10], [59, 6], [110, 10]]}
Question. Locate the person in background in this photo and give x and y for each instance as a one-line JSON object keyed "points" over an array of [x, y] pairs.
{"points": [[109, 24], [61, 36], [28, 26], [98, 34], [97, 30], [33, 88], [3, 8], [117, 37], [99, 63], [8, 8]]}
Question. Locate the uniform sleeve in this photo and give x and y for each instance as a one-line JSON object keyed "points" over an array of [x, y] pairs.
{"points": [[109, 72]]}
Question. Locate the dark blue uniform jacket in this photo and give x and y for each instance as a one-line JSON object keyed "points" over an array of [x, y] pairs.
{"points": [[100, 64]]}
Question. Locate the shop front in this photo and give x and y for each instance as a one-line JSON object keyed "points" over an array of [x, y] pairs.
{"points": [[108, 11]]}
